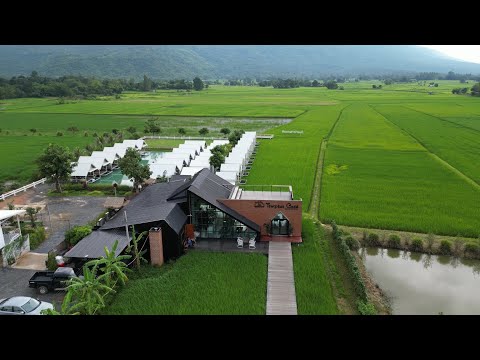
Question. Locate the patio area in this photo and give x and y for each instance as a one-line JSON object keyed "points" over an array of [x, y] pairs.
{"points": [[229, 245]]}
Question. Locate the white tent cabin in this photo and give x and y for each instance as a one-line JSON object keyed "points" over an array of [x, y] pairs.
{"points": [[190, 152], [116, 153], [217, 142], [169, 161], [175, 156], [195, 147], [95, 161], [235, 167], [83, 171], [188, 170], [200, 162], [159, 170], [120, 148], [107, 165], [236, 159], [136, 144], [201, 143], [230, 176]]}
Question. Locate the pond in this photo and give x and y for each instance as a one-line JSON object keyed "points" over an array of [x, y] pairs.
{"points": [[425, 284]]}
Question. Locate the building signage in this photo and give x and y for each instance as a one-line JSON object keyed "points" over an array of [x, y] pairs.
{"points": [[269, 205]]}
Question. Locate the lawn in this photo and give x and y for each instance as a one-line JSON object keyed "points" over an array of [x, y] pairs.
{"points": [[204, 283]]}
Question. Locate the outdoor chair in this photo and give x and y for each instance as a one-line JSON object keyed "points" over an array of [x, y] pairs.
{"points": [[239, 242], [251, 243]]}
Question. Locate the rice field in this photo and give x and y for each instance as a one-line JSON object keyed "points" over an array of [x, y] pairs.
{"points": [[199, 283], [379, 170]]}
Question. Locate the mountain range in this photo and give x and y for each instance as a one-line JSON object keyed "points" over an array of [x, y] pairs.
{"points": [[224, 61]]}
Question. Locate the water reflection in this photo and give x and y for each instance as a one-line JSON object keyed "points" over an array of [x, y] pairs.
{"points": [[425, 284]]}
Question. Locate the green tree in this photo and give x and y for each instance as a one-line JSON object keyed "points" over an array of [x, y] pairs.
{"points": [[182, 131], [133, 169], [203, 131], [132, 130], [225, 131], [331, 84], [147, 83], [113, 266], [151, 126], [73, 129], [32, 214], [216, 160], [198, 84], [56, 164], [33, 130]]}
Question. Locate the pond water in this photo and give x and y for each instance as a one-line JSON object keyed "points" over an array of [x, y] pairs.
{"points": [[425, 284]]}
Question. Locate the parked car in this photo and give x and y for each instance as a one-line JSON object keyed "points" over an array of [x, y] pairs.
{"points": [[23, 305], [45, 281]]}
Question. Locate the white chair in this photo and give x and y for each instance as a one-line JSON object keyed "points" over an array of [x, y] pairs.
{"points": [[239, 242], [251, 243]]}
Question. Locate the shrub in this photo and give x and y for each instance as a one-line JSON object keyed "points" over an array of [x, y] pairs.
{"points": [[352, 243], [472, 248], [37, 236], [430, 241], [417, 244], [457, 245], [77, 233], [373, 240], [59, 133], [394, 241], [366, 308], [364, 236], [445, 247], [51, 264]]}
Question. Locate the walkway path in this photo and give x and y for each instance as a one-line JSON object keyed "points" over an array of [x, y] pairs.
{"points": [[281, 298]]}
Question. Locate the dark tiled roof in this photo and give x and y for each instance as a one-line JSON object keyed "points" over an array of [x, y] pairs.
{"points": [[93, 245], [149, 206], [211, 187]]}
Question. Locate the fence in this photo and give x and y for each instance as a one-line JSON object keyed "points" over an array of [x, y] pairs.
{"points": [[12, 251], [23, 188]]}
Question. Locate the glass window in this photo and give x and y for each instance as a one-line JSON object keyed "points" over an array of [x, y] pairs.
{"points": [[213, 223], [280, 225], [30, 305]]}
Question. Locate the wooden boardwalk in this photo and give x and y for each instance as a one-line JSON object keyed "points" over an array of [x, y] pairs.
{"points": [[281, 298]]}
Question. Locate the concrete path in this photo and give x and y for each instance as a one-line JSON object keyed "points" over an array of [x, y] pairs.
{"points": [[31, 261], [281, 298]]}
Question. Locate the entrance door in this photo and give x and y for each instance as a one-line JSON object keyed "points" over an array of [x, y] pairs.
{"points": [[280, 225]]}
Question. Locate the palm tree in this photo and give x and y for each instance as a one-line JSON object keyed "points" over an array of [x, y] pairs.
{"points": [[85, 294], [112, 265]]}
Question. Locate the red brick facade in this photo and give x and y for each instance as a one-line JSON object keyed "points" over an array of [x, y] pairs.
{"points": [[262, 212], [156, 246]]}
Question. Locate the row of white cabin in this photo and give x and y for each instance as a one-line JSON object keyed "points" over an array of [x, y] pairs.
{"points": [[235, 163], [103, 162]]}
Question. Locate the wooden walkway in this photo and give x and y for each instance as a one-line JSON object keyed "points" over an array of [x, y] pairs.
{"points": [[281, 298]]}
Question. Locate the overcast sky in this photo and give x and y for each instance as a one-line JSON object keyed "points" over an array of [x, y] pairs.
{"points": [[462, 52]]}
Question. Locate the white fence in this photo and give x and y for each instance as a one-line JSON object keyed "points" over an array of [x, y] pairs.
{"points": [[23, 188]]}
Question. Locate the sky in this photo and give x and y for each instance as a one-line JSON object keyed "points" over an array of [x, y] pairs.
{"points": [[463, 52]]}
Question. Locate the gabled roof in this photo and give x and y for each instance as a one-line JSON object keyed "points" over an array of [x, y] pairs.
{"points": [[108, 155], [95, 161], [150, 206], [211, 187], [92, 246], [82, 169]]}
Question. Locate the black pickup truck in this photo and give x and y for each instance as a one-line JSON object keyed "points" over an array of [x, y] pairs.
{"points": [[44, 281]]}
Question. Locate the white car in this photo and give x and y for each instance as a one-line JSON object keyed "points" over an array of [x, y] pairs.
{"points": [[23, 305]]}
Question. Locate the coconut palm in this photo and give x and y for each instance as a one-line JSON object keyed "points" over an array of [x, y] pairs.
{"points": [[112, 265]]}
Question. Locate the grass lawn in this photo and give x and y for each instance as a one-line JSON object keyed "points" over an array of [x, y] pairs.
{"points": [[198, 283]]}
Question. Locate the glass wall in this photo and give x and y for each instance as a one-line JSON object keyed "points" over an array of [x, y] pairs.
{"points": [[213, 223]]}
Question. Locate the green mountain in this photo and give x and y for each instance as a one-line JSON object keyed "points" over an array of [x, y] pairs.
{"points": [[223, 61]]}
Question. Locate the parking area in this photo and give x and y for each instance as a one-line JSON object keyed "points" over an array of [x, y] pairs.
{"points": [[14, 282], [59, 214]]}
